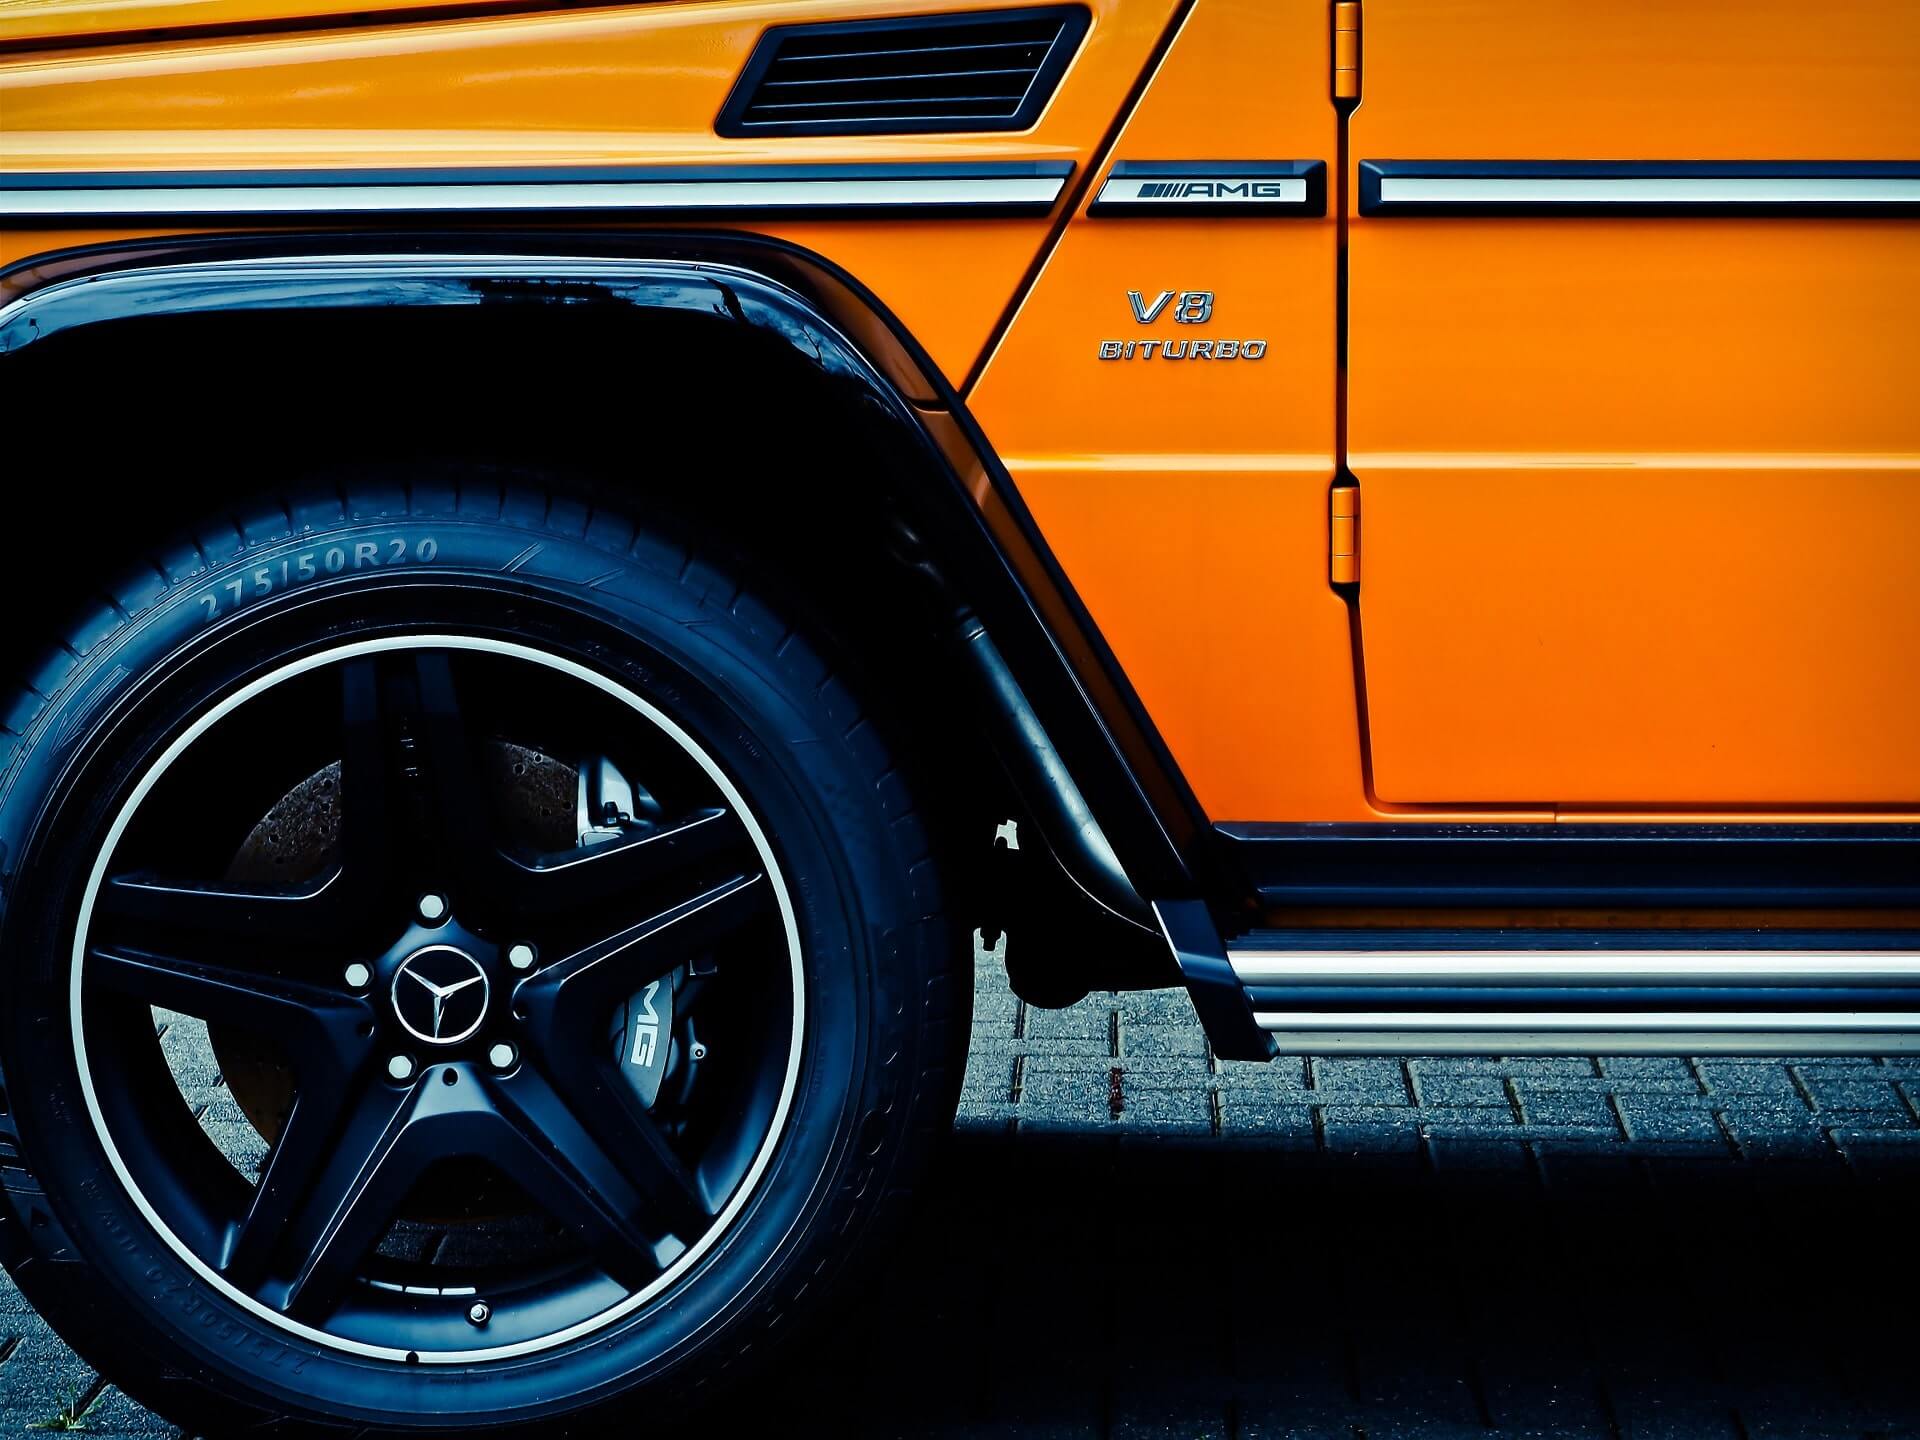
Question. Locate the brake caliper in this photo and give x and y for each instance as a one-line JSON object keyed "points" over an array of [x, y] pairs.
{"points": [[643, 1038]]}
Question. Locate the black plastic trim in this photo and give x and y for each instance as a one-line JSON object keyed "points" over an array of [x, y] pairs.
{"points": [[1372, 172], [1074, 21], [1040, 775], [1672, 865], [1313, 172]]}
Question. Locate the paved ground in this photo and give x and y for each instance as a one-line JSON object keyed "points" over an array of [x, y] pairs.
{"points": [[1126, 1241]]}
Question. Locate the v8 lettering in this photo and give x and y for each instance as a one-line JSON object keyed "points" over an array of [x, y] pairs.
{"points": [[1190, 307]]}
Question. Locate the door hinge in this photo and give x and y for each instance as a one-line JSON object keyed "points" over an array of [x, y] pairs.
{"points": [[1346, 49], [1343, 533]]}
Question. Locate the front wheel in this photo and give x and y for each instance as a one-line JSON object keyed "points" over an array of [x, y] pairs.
{"points": [[468, 962]]}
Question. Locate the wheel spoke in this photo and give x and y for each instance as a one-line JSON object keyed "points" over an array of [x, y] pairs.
{"points": [[566, 1008], [437, 744], [319, 1032], [573, 1177], [441, 739], [306, 1141], [595, 975], [571, 878], [334, 1215], [384, 1144], [319, 1026], [367, 813], [213, 910], [367, 801], [589, 1084]]}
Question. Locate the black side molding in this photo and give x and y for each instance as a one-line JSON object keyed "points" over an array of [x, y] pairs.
{"points": [[1866, 188], [1437, 865]]}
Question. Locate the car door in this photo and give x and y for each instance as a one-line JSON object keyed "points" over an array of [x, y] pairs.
{"points": [[1634, 334]]}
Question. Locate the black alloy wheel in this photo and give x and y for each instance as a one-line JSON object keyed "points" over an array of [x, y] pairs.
{"points": [[462, 990]]}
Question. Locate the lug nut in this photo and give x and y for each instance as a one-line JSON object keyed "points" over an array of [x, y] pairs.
{"points": [[433, 908], [520, 957], [479, 1312], [501, 1056], [357, 976], [400, 1067], [698, 1050]]}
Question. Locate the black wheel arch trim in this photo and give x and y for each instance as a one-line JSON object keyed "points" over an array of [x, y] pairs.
{"points": [[1090, 728]]}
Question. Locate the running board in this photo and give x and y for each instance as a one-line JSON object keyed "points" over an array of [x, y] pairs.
{"points": [[1582, 992]]}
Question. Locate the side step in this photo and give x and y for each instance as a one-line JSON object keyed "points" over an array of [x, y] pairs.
{"points": [[1534, 992]]}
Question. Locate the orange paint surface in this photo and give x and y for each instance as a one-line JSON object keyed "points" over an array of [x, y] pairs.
{"points": [[1641, 498], [1187, 500], [638, 85], [47, 23], [1258, 704]]}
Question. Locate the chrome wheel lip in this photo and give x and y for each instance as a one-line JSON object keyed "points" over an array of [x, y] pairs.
{"points": [[743, 1192]]}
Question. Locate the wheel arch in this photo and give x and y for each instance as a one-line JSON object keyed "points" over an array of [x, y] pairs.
{"points": [[756, 343]]}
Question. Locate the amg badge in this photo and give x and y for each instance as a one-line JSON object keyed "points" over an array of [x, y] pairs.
{"points": [[1205, 189]]}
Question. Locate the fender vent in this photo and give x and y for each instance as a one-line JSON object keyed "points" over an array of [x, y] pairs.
{"points": [[993, 70]]}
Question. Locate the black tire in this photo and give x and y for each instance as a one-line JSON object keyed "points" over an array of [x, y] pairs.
{"points": [[516, 565]]}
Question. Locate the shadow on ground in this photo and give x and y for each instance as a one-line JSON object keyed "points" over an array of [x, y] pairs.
{"points": [[1061, 1285]]}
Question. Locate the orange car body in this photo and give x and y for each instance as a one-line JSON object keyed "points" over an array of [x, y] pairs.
{"points": [[1640, 495]]}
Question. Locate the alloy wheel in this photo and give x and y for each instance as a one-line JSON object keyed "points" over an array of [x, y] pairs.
{"points": [[515, 1088]]}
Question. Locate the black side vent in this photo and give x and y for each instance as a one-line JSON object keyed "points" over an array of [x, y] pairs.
{"points": [[991, 70]]}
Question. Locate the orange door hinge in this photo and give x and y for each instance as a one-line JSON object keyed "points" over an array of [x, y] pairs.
{"points": [[1346, 50], [1343, 532]]}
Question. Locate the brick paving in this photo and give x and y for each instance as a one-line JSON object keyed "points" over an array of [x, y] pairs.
{"points": [[1129, 1239]]}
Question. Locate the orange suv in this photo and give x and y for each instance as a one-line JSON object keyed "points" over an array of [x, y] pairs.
{"points": [[572, 564]]}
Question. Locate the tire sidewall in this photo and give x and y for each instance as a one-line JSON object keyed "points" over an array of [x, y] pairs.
{"points": [[644, 628]]}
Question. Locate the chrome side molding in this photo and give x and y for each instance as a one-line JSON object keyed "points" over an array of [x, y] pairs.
{"points": [[1656, 187], [998, 188]]}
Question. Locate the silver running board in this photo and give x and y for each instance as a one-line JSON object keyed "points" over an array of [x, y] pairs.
{"points": [[1587, 1001]]}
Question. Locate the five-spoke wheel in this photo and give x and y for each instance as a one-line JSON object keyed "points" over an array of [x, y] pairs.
{"points": [[445, 1000], [503, 989]]}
